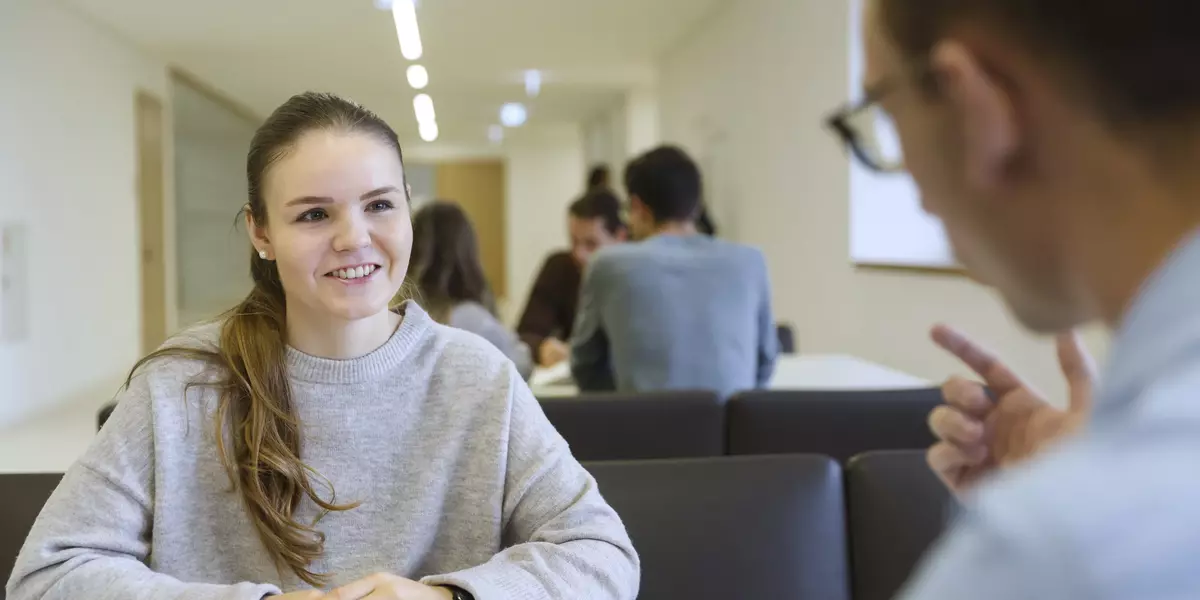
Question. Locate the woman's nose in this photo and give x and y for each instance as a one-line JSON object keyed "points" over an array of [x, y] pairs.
{"points": [[352, 235]]}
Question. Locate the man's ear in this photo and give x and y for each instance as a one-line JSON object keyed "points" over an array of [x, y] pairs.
{"points": [[983, 106], [636, 204], [258, 235]]}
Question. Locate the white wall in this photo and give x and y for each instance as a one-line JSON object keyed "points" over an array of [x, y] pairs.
{"points": [[642, 131], [545, 173], [69, 163], [605, 140], [623, 131], [747, 94]]}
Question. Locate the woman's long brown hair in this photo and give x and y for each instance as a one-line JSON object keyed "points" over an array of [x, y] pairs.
{"points": [[263, 451], [444, 267]]}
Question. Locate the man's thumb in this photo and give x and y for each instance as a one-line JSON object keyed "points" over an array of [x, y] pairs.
{"points": [[1078, 367]]}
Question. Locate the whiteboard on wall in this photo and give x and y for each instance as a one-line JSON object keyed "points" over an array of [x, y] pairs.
{"points": [[887, 225]]}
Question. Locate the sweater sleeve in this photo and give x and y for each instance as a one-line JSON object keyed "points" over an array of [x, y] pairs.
{"points": [[591, 365], [562, 539], [92, 538], [768, 336]]}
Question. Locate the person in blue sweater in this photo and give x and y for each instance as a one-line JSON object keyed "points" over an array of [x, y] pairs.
{"points": [[676, 309]]}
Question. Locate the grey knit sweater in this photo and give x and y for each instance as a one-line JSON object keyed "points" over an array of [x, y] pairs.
{"points": [[461, 477]]}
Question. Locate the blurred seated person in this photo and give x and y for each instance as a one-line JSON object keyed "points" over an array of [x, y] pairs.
{"points": [[676, 309], [594, 221], [449, 280], [598, 179]]}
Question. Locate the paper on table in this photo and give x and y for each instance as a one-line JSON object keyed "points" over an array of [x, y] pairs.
{"points": [[557, 374]]}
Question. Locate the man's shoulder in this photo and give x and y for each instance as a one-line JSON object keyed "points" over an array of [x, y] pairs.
{"points": [[738, 248], [616, 255], [1097, 497]]}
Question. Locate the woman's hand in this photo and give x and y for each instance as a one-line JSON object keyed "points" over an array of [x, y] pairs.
{"points": [[385, 586], [302, 595], [552, 351], [976, 434]]}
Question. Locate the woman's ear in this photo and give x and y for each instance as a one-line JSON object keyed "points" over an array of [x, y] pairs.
{"points": [[258, 236]]}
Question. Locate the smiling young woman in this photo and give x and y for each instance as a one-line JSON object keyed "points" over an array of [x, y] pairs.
{"points": [[367, 447]]}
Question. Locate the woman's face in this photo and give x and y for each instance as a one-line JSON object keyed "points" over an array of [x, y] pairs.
{"points": [[338, 225]]}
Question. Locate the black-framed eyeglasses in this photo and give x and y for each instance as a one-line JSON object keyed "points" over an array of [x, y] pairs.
{"points": [[869, 131]]}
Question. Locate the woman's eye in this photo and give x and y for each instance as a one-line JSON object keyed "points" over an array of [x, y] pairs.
{"points": [[312, 216], [380, 206]]}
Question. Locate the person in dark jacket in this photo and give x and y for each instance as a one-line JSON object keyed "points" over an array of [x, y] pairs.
{"points": [[594, 221]]}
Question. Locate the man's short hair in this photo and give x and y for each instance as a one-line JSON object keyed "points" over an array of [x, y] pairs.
{"points": [[667, 181], [1128, 59], [599, 204]]}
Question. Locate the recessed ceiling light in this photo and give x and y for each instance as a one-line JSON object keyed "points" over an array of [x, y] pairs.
{"points": [[404, 12], [513, 114], [533, 83], [423, 106], [387, 4], [428, 131], [418, 77]]}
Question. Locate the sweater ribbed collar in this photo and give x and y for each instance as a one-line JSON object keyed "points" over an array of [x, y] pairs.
{"points": [[371, 366]]}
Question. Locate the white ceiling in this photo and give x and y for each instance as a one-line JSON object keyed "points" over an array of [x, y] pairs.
{"points": [[259, 52]]}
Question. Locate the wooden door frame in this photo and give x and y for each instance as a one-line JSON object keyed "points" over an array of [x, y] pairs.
{"points": [[151, 149]]}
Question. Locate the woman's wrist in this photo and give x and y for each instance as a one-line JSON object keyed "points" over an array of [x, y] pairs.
{"points": [[457, 593]]}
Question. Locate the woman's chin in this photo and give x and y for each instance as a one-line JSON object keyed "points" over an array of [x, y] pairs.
{"points": [[357, 309]]}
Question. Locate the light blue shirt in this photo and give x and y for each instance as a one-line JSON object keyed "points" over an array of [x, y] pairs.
{"points": [[675, 312], [1115, 513]]}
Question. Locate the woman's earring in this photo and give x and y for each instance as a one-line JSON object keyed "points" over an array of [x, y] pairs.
{"points": [[262, 254]]}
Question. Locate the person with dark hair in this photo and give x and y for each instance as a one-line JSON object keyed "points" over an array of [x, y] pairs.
{"points": [[449, 280], [598, 179], [316, 434], [1057, 142], [676, 309], [593, 222]]}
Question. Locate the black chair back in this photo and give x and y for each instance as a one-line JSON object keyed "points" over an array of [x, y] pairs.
{"points": [[640, 426], [897, 509], [22, 496], [840, 424], [105, 412], [733, 527]]}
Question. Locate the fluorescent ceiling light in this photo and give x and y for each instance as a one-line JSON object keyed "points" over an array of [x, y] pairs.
{"points": [[533, 83], [405, 14], [418, 77], [428, 131], [513, 114], [423, 106]]}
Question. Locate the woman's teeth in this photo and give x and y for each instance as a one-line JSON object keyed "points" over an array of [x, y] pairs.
{"points": [[354, 273]]}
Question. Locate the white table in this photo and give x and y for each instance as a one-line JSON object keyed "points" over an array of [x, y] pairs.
{"points": [[792, 372]]}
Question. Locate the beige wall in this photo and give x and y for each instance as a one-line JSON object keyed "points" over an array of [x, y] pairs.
{"points": [[68, 170], [545, 172], [747, 93]]}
